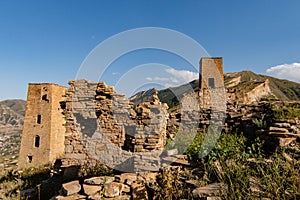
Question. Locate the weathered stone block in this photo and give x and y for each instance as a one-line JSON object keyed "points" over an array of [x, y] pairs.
{"points": [[113, 189], [70, 188], [91, 189]]}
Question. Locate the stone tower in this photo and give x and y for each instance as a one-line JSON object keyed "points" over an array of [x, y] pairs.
{"points": [[43, 131], [211, 82], [211, 75]]}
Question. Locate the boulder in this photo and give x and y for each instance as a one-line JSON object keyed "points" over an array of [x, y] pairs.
{"points": [[91, 189], [113, 189], [70, 188]]}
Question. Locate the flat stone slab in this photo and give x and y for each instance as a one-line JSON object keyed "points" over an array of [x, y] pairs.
{"points": [[99, 180], [91, 189], [70, 188]]}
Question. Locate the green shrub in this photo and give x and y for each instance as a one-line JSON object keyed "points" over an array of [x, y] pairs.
{"points": [[245, 169], [287, 112]]}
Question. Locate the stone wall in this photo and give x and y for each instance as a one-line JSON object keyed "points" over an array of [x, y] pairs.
{"points": [[105, 126], [43, 130]]}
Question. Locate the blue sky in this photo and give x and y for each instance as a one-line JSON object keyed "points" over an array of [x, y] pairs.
{"points": [[47, 41]]}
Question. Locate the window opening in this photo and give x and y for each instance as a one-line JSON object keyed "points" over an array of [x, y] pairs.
{"points": [[29, 159], [45, 98], [211, 82], [37, 141], [39, 119]]}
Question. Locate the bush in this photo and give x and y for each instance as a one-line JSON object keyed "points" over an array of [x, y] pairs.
{"points": [[248, 172]]}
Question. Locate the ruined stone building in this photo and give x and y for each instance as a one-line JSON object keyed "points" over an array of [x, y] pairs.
{"points": [[89, 121]]}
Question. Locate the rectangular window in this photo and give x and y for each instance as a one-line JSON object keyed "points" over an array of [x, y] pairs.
{"points": [[37, 141], [39, 119], [29, 159], [211, 82]]}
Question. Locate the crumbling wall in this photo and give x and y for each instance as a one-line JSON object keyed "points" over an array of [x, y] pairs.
{"points": [[106, 126]]}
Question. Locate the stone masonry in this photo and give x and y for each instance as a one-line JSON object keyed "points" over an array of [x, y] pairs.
{"points": [[105, 126], [43, 131], [90, 121]]}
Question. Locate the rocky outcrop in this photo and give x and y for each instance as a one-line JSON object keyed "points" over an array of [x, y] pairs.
{"points": [[257, 93], [249, 92]]}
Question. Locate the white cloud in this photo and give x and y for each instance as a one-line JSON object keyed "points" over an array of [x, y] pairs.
{"points": [[286, 71], [161, 79], [174, 77], [184, 76]]}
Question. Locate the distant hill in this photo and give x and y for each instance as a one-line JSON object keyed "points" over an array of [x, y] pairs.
{"points": [[241, 84], [11, 114], [281, 89], [17, 105], [11, 123]]}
